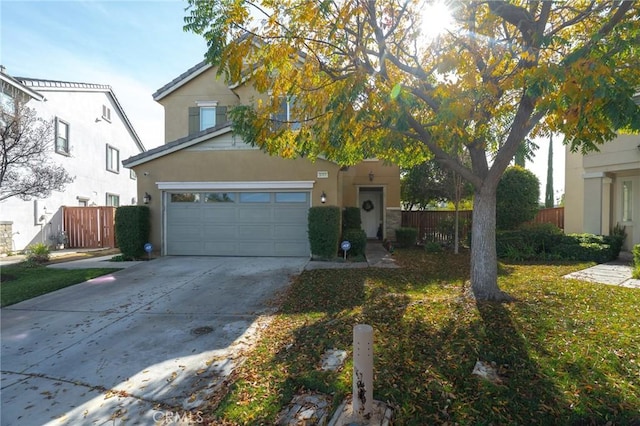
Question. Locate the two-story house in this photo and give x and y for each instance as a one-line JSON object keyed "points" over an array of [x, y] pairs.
{"points": [[602, 189], [210, 193], [91, 134]]}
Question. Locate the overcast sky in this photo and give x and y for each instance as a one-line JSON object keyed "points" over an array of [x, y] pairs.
{"points": [[135, 47]]}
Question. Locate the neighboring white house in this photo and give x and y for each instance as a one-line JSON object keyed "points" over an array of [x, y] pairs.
{"points": [[92, 134]]}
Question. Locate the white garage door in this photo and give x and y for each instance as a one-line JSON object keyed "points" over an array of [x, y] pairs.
{"points": [[237, 223]]}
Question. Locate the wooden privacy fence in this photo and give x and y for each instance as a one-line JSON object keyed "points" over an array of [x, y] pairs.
{"points": [[553, 215], [90, 227], [438, 225]]}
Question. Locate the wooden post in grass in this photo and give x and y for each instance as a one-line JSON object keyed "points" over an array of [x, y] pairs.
{"points": [[362, 371]]}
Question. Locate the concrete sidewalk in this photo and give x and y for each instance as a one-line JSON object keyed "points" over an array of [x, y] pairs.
{"points": [[95, 262], [607, 273], [618, 273]]}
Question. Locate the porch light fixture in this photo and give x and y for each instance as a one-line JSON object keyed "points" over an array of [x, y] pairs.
{"points": [[147, 198], [323, 197], [371, 176]]}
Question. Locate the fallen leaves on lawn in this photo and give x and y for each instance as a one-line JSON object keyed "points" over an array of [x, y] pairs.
{"points": [[559, 349]]}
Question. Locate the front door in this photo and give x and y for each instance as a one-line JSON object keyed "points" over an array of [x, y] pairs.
{"points": [[371, 209]]}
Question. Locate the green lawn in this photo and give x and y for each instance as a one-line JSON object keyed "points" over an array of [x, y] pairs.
{"points": [[567, 350], [21, 281]]}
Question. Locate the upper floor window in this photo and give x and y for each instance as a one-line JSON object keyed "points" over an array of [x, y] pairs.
{"points": [[106, 113], [132, 174], [113, 159], [285, 114], [62, 136], [206, 115]]}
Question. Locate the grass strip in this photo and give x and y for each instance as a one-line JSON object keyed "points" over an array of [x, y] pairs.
{"points": [[23, 281]]}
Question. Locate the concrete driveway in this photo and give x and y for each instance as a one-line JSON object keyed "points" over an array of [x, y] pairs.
{"points": [[135, 346]]}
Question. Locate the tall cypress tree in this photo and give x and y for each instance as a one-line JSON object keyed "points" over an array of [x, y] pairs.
{"points": [[548, 196]]}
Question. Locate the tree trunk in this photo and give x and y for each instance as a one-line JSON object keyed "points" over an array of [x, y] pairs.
{"points": [[484, 260]]}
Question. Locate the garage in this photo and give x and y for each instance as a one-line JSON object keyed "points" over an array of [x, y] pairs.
{"points": [[237, 223]]}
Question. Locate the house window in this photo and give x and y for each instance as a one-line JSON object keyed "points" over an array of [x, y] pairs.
{"points": [[255, 197], [219, 197], [206, 115], [285, 115], [185, 197], [113, 200], [291, 197], [113, 159], [62, 136], [82, 201], [132, 174], [106, 113], [627, 201]]}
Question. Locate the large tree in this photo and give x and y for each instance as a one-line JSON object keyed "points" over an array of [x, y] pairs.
{"points": [[367, 81], [26, 144]]}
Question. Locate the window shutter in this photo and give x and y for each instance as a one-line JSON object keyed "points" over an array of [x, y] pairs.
{"points": [[194, 120], [221, 115]]}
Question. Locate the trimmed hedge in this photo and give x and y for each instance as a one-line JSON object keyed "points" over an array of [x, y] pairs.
{"points": [[324, 231], [358, 240], [132, 230], [546, 241], [406, 237], [351, 218]]}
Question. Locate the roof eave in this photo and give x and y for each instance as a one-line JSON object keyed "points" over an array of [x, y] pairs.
{"points": [[181, 80], [174, 146], [19, 86]]}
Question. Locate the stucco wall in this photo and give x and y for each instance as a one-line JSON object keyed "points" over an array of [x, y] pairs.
{"points": [[229, 166], [574, 192], [205, 87], [384, 176]]}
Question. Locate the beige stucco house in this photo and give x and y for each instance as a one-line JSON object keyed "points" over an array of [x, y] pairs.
{"points": [[212, 194], [602, 189]]}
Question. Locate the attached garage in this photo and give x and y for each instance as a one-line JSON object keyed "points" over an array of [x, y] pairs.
{"points": [[223, 222]]}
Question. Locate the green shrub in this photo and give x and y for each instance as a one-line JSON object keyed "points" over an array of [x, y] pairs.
{"points": [[546, 242], [351, 218], [432, 247], [132, 230], [406, 237], [38, 253], [588, 247], [516, 198], [358, 240], [324, 231], [636, 261], [529, 241]]}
